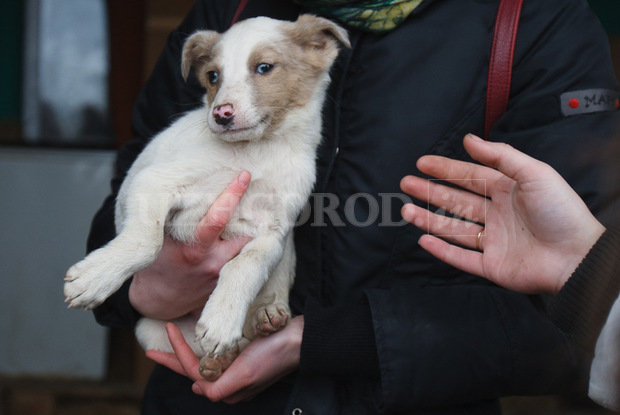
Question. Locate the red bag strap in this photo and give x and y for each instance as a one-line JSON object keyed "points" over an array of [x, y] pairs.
{"points": [[500, 65], [240, 8]]}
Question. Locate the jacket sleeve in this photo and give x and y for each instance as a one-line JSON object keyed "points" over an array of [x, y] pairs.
{"points": [[164, 97]]}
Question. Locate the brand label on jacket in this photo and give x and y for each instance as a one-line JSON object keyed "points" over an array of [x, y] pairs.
{"points": [[589, 100]]}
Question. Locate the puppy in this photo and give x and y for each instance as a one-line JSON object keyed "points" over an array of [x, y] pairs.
{"points": [[265, 84]]}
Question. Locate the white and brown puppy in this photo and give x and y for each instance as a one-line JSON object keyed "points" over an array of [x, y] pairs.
{"points": [[266, 81]]}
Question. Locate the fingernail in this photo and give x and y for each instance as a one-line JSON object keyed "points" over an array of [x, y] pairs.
{"points": [[474, 137], [196, 389], [244, 178]]}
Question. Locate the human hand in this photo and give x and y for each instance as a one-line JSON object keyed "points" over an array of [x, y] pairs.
{"points": [[183, 276], [535, 228], [261, 364]]}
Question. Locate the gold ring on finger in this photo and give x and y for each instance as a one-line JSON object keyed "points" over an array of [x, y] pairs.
{"points": [[478, 239]]}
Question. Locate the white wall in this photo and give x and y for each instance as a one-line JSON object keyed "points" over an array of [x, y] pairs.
{"points": [[47, 199]]}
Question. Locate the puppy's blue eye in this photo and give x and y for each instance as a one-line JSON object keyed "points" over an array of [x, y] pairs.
{"points": [[213, 77], [263, 68]]}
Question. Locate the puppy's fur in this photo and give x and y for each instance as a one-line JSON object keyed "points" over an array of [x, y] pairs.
{"points": [[265, 82]]}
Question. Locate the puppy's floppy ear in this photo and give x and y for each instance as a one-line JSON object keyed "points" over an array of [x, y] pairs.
{"points": [[198, 50], [319, 38], [317, 31]]}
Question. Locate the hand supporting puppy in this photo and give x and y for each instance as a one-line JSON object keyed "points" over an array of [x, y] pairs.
{"points": [[183, 276], [532, 228], [265, 361]]}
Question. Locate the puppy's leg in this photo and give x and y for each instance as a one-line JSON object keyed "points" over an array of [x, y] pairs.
{"points": [[270, 311], [220, 326], [89, 282]]}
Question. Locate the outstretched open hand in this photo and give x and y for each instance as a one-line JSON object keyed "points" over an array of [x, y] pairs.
{"points": [[525, 228]]}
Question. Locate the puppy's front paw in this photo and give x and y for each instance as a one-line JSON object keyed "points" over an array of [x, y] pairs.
{"points": [[268, 319], [215, 336], [87, 284], [221, 342], [212, 366]]}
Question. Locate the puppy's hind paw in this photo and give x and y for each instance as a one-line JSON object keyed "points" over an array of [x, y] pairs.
{"points": [[269, 319]]}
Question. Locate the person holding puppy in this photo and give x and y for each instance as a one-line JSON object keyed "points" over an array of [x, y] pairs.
{"points": [[381, 325]]}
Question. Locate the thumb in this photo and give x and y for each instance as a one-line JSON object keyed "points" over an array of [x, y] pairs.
{"points": [[220, 212], [505, 158]]}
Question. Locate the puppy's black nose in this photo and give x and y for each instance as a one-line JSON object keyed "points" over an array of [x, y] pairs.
{"points": [[224, 114]]}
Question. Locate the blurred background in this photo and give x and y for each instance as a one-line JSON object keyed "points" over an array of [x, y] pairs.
{"points": [[69, 74]]}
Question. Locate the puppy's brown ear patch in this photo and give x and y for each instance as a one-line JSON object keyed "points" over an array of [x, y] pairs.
{"points": [[198, 50], [320, 37], [316, 31]]}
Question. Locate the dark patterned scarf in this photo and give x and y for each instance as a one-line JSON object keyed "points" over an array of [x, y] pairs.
{"points": [[368, 15]]}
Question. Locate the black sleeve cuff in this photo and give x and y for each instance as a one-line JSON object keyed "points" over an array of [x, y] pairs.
{"points": [[581, 307]]}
